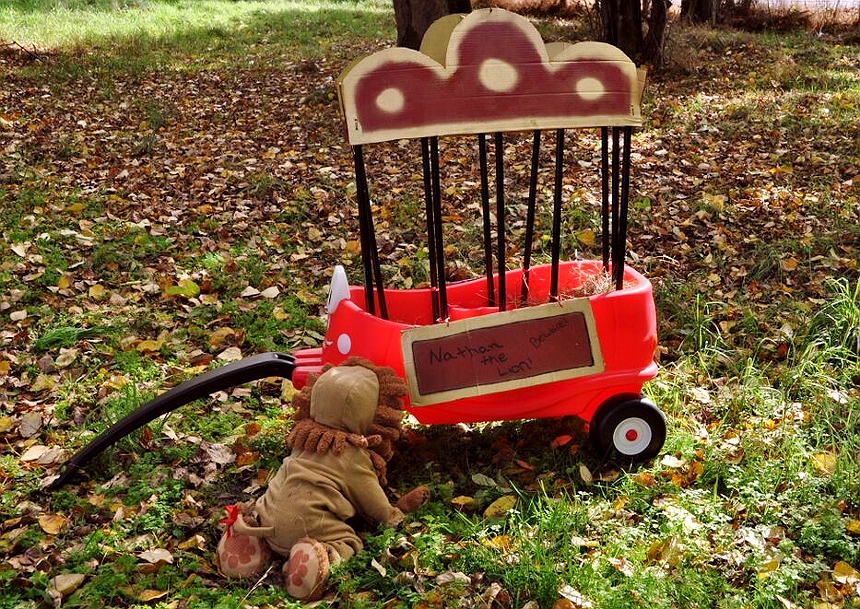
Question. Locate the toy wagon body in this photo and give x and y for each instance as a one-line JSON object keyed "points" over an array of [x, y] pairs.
{"points": [[527, 342]]}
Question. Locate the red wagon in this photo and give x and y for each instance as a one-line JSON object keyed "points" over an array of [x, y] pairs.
{"points": [[513, 343]]}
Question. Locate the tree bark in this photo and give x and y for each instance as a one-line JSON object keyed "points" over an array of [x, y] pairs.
{"points": [[622, 26], [700, 11], [413, 17], [655, 39]]}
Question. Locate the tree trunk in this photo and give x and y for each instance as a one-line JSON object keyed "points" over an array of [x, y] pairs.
{"points": [[413, 17], [700, 11], [656, 37], [622, 26]]}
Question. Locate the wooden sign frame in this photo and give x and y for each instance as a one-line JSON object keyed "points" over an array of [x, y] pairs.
{"points": [[508, 350]]}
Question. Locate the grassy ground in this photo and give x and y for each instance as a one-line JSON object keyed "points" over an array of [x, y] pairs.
{"points": [[175, 192]]}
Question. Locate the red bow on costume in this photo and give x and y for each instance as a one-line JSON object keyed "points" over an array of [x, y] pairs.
{"points": [[232, 516]]}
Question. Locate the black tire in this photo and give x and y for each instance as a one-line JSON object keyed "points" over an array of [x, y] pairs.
{"points": [[634, 429]]}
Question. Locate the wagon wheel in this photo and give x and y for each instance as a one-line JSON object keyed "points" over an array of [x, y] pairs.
{"points": [[634, 428]]}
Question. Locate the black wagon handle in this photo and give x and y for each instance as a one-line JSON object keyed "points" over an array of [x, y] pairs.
{"points": [[246, 370]]}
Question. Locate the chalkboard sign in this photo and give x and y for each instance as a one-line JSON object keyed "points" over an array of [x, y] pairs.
{"points": [[501, 351]]}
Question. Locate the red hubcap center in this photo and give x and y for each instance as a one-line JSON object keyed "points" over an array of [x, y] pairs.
{"points": [[631, 435]]}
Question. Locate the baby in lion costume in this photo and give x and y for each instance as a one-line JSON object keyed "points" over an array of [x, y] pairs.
{"points": [[347, 420]]}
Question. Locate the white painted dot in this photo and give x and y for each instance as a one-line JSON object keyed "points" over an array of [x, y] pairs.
{"points": [[344, 344], [498, 75], [391, 100], [589, 88]]}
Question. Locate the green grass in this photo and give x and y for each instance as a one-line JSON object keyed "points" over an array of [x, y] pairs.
{"points": [[193, 24]]}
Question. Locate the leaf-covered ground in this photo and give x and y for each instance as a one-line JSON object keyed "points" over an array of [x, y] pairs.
{"points": [[158, 219]]}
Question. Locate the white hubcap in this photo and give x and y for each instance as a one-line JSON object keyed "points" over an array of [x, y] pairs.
{"points": [[632, 436]]}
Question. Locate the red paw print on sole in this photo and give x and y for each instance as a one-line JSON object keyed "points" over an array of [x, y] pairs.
{"points": [[307, 570]]}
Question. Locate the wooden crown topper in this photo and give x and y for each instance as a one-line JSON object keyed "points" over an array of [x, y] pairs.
{"points": [[483, 72]]}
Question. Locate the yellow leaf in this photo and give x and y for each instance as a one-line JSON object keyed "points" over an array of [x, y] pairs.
{"points": [[502, 543], [75, 208], [464, 502], [844, 573], [149, 346], [186, 288], [586, 237], [64, 282], [500, 507], [53, 523], [824, 463], [280, 315], [5, 367], [853, 526], [97, 291], [766, 568], [148, 595]]}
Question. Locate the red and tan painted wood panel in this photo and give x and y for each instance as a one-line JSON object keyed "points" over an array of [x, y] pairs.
{"points": [[484, 72]]}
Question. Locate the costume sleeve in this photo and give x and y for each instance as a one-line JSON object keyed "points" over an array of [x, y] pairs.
{"points": [[368, 496]]}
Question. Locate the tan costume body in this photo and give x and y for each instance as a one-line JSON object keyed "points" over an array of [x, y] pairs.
{"points": [[313, 494]]}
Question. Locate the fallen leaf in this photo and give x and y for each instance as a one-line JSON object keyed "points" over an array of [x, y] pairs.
{"points": [[502, 543], [66, 358], [43, 382], [789, 264], [156, 556], [220, 336], [559, 441], [464, 503], [378, 567], [483, 480], [52, 524], [18, 315], [581, 542], [586, 237], [230, 354], [824, 463], [97, 291], [572, 595], [185, 288], [624, 566], [30, 424], [270, 292], [149, 595], [844, 573], [149, 346], [500, 507], [66, 583], [672, 461], [195, 542], [585, 474]]}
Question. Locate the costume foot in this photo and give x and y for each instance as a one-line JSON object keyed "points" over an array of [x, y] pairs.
{"points": [[242, 555], [306, 572]]}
